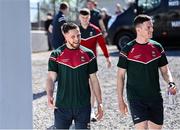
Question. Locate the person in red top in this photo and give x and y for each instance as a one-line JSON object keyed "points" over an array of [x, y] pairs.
{"points": [[90, 37]]}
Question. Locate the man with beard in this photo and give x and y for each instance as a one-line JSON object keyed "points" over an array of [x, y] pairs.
{"points": [[72, 65]]}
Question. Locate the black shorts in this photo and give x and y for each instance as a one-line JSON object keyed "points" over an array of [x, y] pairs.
{"points": [[147, 110]]}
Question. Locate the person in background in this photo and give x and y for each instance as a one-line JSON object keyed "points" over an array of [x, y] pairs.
{"points": [[96, 6], [58, 21], [142, 59], [106, 17], [47, 23], [119, 9], [90, 37], [72, 65], [96, 18]]}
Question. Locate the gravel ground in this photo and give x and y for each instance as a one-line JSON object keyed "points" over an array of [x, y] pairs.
{"points": [[43, 116]]}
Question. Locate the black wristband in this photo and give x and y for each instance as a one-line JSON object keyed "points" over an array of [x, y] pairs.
{"points": [[171, 84]]}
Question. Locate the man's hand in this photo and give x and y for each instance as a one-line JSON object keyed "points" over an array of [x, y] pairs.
{"points": [[99, 115], [123, 108], [51, 103], [108, 63]]}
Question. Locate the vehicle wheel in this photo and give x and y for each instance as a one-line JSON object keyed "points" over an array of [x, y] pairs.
{"points": [[122, 39]]}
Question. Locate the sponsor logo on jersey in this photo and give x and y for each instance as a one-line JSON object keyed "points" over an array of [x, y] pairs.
{"points": [[153, 54], [91, 34], [82, 58], [65, 60], [137, 56]]}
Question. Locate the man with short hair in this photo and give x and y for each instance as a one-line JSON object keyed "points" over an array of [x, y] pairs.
{"points": [[96, 17], [72, 65], [90, 37], [141, 59], [58, 21]]}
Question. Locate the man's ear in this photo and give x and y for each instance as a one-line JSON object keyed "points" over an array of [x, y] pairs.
{"points": [[138, 28]]}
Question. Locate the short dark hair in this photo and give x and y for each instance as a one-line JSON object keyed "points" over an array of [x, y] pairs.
{"points": [[63, 5], [84, 11], [141, 19], [68, 26]]}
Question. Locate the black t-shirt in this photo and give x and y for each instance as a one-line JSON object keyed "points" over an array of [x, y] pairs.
{"points": [[141, 62], [106, 20], [73, 67], [95, 17], [47, 23]]}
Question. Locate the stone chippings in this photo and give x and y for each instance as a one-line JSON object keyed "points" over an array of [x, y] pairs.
{"points": [[43, 116]]}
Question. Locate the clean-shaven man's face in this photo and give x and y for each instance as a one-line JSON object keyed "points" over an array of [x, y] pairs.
{"points": [[146, 29], [84, 19]]}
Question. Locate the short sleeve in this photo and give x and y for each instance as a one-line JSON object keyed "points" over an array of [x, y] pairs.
{"points": [[162, 60], [92, 66], [122, 62], [52, 64]]}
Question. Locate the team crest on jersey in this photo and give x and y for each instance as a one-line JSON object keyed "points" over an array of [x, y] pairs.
{"points": [[91, 34], [82, 58], [153, 54]]}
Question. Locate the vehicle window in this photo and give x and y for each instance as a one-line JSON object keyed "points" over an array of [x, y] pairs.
{"points": [[146, 5]]}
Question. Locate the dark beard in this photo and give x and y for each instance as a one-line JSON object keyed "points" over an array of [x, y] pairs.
{"points": [[74, 46]]}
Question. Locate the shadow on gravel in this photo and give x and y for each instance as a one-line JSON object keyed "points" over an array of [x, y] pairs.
{"points": [[172, 52], [114, 54], [38, 95]]}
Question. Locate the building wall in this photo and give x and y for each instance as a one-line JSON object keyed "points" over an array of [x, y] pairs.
{"points": [[39, 41]]}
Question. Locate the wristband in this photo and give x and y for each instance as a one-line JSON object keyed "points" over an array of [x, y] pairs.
{"points": [[171, 84]]}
